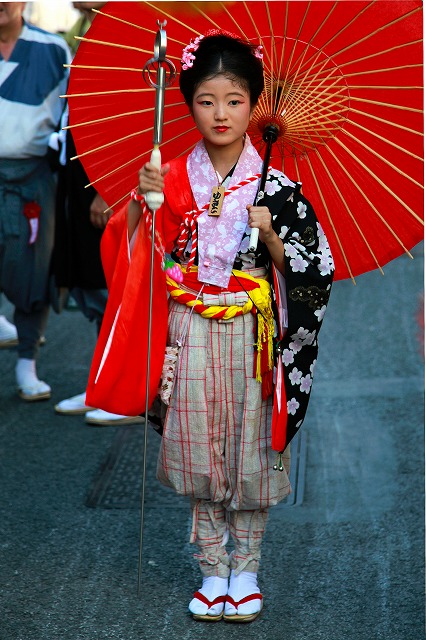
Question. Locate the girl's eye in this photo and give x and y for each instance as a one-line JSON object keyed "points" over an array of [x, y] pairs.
{"points": [[205, 103], [234, 103]]}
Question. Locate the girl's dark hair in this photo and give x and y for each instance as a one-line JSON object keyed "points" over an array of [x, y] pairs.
{"points": [[223, 55]]}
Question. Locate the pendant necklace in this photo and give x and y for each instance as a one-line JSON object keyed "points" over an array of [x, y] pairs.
{"points": [[218, 193], [217, 197]]}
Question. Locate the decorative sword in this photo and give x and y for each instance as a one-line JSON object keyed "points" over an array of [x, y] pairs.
{"points": [[159, 72]]}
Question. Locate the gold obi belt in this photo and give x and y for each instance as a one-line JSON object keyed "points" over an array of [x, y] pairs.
{"points": [[258, 302]]}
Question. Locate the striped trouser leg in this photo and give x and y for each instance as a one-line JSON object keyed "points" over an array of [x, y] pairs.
{"points": [[209, 532], [247, 529]]}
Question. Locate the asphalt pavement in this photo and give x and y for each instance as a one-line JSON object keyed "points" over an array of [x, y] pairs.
{"points": [[343, 561]]}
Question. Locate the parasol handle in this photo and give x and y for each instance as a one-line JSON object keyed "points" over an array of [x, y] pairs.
{"points": [[154, 199], [270, 136]]}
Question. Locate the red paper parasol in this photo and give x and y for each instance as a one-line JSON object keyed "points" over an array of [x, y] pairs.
{"points": [[343, 84]]}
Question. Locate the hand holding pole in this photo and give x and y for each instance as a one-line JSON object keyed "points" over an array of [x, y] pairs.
{"points": [[165, 73], [270, 136]]}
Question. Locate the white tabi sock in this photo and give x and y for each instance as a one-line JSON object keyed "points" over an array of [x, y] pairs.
{"points": [[240, 586], [26, 377], [212, 588]]}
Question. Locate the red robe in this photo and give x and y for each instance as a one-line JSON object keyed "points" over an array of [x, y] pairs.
{"points": [[117, 379]]}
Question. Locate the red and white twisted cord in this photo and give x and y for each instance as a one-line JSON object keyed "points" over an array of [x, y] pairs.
{"points": [[188, 227]]}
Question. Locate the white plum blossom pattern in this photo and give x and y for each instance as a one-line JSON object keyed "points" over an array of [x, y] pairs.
{"points": [[304, 336], [289, 250], [282, 234], [320, 313], [326, 265], [295, 376], [301, 209], [288, 356], [298, 264], [312, 367], [306, 383], [296, 345], [292, 406], [283, 179], [272, 186]]}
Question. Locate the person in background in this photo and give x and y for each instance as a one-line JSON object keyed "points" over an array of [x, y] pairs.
{"points": [[82, 24], [81, 216], [8, 333], [32, 78]]}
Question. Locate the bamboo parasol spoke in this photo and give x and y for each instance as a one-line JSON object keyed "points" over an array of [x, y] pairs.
{"points": [[391, 105], [385, 187], [381, 52], [330, 219], [387, 122], [133, 159], [349, 212], [99, 68], [125, 138], [390, 142], [119, 115], [382, 158], [376, 211]]}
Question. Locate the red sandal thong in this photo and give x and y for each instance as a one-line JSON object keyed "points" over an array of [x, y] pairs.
{"points": [[205, 617], [247, 617]]}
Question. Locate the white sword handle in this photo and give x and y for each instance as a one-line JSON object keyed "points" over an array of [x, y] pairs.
{"points": [[254, 237], [154, 199]]}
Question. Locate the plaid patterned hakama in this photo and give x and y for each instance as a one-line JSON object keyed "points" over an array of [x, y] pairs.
{"points": [[216, 438]]}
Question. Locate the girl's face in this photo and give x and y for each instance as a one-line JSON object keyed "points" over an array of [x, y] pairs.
{"points": [[221, 110]]}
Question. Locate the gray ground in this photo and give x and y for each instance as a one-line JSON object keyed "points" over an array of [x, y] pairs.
{"points": [[346, 564]]}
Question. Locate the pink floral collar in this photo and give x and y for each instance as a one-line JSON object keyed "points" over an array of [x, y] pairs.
{"points": [[219, 238]]}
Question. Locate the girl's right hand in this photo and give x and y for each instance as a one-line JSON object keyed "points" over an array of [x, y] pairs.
{"points": [[151, 178]]}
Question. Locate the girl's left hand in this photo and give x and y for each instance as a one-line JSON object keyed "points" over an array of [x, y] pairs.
{"points": [[260, 217]]}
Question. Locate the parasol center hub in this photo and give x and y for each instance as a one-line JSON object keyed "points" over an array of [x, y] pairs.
{"points": [[271, 127]]}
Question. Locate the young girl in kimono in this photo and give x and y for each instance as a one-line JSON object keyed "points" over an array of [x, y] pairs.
{"points": [[216, 442]]}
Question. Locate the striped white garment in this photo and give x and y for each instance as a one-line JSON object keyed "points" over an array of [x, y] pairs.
{"points": [[31, 81]]}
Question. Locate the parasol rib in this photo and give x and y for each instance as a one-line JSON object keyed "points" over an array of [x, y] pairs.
{"points": [[380, 53], [379, 87], [351, 215], [103, 93], [369, 202], [384, 70], [311, 40], [346, 26], [371, 34], [392, 23], [330, 219], [130, 24], [107, 93], [150, 31], [382, 158], [99, 68], [169, 141], [390, 142], [127, 137], [385, 187], [118, 45], [110, 144], [118, 115], [387, 104], [176, 20], [385, 121], [106, 119]]}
